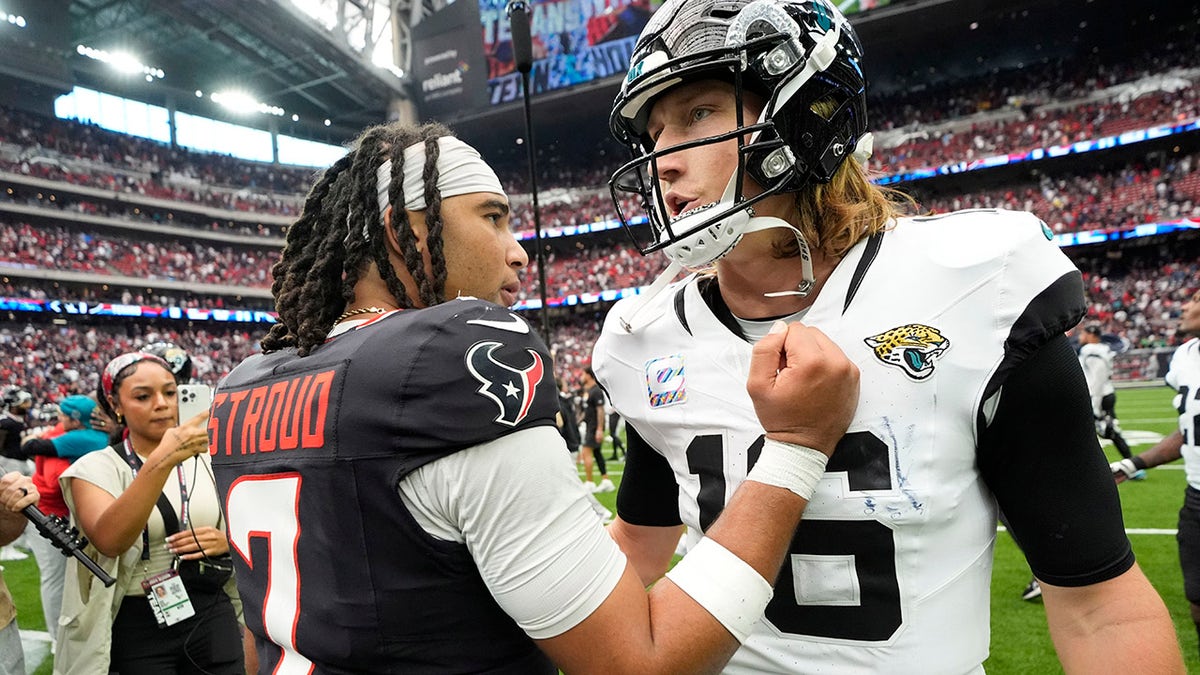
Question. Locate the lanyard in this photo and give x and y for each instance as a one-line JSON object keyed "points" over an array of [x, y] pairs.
{"points": [[135, 463]]}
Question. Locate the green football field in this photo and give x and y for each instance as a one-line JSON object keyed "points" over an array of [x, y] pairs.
{"points": [[1020, 642]]}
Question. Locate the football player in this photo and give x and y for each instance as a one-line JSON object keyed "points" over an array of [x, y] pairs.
{"points": [[1096, 358], [1184, 377], [747, 125], [397, 493]]}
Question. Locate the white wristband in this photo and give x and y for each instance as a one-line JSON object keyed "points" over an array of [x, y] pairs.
{"points": [[789, 466], [724, 585]]}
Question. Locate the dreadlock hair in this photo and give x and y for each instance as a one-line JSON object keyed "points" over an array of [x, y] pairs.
{"points": [[341, 231]]}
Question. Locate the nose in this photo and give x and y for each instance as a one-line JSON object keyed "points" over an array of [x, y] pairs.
{"points": [[668, 166], [517, 257]]}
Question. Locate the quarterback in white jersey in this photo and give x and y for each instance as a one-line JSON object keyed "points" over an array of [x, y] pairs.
{"points": [[1184, 377], [746, 122]]}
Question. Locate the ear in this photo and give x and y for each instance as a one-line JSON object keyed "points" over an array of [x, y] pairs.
{"points": [[416, 223]]}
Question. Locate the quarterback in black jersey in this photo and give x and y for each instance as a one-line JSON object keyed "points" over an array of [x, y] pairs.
{"points": [[746, 123], [398, 497]]}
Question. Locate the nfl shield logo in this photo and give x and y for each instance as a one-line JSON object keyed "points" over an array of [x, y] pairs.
{"points": [[664, 381]]}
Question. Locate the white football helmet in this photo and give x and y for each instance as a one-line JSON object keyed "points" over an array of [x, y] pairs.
{"points": [[793, 53]]}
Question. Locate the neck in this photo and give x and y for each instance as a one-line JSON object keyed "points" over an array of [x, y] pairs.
{"points": [[142, 446], [372, 291], [745, 277]]}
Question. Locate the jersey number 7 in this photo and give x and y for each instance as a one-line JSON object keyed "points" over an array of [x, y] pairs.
{"points": [[268, 506]]}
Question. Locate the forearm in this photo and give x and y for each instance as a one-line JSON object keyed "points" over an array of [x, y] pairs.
{"points": [[1165, 451], [38, 447], [119, 524], [666, 629], [1117, 626], [648, 549]]}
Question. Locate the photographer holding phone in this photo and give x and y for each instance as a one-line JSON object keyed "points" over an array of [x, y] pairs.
{"points": [[149, 507]]}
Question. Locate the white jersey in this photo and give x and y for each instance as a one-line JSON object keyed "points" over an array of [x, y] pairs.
{"points": [[890, 568], [1184, 377], [1097, 361]]}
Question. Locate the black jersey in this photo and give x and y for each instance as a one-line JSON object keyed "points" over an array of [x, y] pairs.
{"points": [[10, 436], [308, 452]]}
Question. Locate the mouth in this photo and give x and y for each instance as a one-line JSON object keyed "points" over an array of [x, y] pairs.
{"points": [[509, 293], [677, 204], [689, 208]]}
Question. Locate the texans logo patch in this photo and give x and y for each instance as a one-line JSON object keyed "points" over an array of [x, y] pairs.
{"points": [[509, 387]]}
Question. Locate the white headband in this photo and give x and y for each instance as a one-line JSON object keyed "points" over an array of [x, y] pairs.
{"points": [[461, 171]]}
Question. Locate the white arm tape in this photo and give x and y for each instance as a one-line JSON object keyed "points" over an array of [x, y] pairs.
{"points": [[789, 466], [724, 585]]}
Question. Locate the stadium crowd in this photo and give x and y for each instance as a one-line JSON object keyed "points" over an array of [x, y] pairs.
{"points": [[943, 120], [62, 248], [53, 361]]}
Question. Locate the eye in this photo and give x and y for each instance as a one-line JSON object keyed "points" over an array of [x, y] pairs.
{"points": [[651, 137], [699, 114]]}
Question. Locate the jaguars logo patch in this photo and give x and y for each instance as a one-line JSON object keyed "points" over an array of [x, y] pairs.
{"points": [[914, 348]]}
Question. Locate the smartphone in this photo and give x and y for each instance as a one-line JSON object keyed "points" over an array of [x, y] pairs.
{"points": [[193, 400]]}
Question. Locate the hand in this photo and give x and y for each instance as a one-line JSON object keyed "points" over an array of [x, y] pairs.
{"points": [[185, 441], [804, 388], [17, 491], [1125, 469], [204, 541], [101, 421]]}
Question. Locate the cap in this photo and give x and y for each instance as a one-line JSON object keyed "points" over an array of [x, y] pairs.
{"points": [[78, 408], [1093, 328]]}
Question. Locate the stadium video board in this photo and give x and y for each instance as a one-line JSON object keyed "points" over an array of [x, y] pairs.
{"points": [[575, 41]]}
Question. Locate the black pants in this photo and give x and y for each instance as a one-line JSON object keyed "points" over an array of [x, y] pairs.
{"points": [[614, 421], [209, 642], [1108, 405]]}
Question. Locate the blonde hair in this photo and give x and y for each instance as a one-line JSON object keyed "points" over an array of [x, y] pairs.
{"points": [[835, 216]]}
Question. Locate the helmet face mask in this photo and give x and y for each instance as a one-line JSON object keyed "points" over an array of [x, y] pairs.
{"points": [[801, 56]]}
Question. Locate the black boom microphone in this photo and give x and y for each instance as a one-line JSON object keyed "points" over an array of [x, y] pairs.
{"points": [[66, 539], [522, 45]]}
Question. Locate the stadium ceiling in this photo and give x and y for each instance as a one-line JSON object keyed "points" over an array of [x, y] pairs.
{"points": [[271, 49]]}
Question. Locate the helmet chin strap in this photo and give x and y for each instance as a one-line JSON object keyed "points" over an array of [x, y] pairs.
{"points": [[631, 319], [807, 280]]}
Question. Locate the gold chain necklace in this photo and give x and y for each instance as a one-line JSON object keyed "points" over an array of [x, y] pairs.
{"points": [[355, 312]]}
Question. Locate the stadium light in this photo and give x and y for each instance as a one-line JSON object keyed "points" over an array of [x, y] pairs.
{"points": [[385, 62], [14, 19], [122, 62], [242, 102]]}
